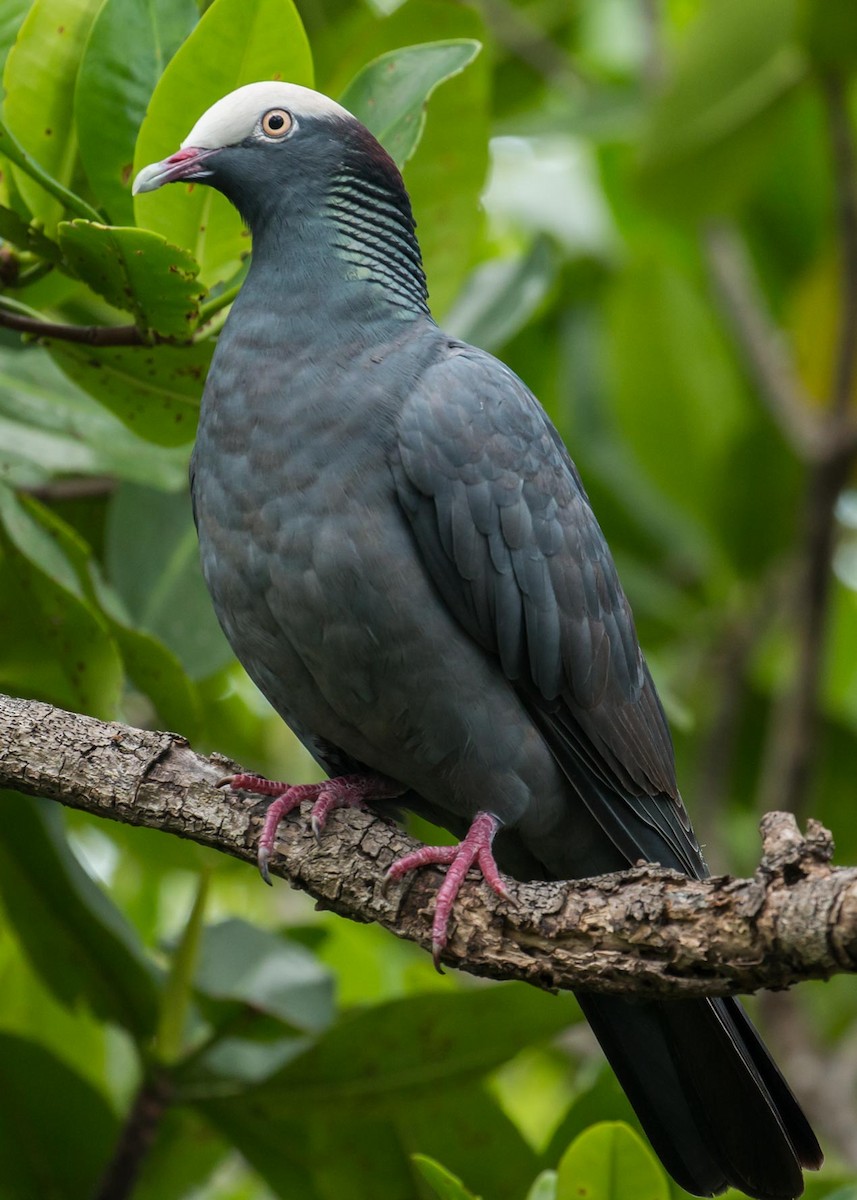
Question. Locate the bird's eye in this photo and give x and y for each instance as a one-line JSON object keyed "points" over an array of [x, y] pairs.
{"points": [[276, 123]]}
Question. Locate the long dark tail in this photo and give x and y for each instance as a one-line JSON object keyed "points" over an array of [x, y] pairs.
{"points": [[710, 1097]]}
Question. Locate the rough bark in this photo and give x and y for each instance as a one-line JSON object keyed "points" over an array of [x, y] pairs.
{"points": [[644, 932]]}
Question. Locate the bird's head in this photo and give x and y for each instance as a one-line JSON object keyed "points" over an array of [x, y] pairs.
{"points": [[290, 158], [252, 142]]}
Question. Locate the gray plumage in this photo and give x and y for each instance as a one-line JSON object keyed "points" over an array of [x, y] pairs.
{"points": [[403, 557]]}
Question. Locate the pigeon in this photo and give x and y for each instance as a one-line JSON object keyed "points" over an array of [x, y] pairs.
{"points": [[402, 554]]}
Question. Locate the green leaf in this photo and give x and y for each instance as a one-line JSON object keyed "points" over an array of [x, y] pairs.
{"points": [[443, 1183], [233, 44], [153, 561], [240, 962], [47, 621], [610, 1162], [710, 132], [502, 295], [390, 94], [25, 236], [154, 390], [81, 946], [677, 395], [603, 1101], [56, 1130], [446, 175], [158, 674], [376, 1061], [138, 271], [11, 18], [367, 1156], [114, 87], [178, 988], [39, 80], [50, 427], [544, 1187]]}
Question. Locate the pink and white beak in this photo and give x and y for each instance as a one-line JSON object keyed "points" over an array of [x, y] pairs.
{"points": [[186, 163]]}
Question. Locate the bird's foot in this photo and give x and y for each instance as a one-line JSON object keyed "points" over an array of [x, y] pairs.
{"points": [[345, 791], [474, 849]]}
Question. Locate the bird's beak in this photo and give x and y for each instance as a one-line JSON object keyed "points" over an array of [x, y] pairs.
{"points": [[186, 163]]}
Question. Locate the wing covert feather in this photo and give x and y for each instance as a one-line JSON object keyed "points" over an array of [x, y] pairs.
{"points": [[505, 529]]}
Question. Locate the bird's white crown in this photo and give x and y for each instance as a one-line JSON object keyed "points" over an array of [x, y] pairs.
{"points": [[235, 116]]}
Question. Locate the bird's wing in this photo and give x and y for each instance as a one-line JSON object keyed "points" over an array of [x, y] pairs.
{"points": [[505, 529]]}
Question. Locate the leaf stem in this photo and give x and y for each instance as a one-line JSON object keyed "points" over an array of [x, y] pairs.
{"points": [[213, 306], [15, 152]]}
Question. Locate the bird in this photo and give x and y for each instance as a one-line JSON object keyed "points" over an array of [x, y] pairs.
{"points": [[403, 556]]}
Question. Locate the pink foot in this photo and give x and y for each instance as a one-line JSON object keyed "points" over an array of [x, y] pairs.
{"points": [[475, 848], [345, 791]]}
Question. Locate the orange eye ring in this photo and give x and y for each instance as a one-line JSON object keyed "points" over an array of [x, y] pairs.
{"points": [[276, 123]]}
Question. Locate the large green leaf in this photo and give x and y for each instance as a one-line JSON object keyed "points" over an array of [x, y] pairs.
{"points": [[154, 390], [153, 562], [446, 175], [502, 295], [243, 964], [56, 645], [56, 1130], [154, 669], [114, 87], [138, 271], [233, 44], [390, 94], [711, 130], [610, 1162], [11, 18], [24, 235], [50, 427], [603, 1101], [152, 666], [75, 938], [376, 1061], [332, 1152], [677, 395], [39, 79]]}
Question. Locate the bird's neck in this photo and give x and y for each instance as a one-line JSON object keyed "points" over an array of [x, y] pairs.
{"points": [[374, 237], [347, 252]]}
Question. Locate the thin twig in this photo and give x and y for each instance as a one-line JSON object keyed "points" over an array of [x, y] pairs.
{"points": [[761, 343], [89, 335], [845, 183], [791, 749], [136, 1138], [78, 487]]}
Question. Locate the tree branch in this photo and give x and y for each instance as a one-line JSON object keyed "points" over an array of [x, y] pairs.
{"points": [[764, 349], [644, 932], [90, 335]]}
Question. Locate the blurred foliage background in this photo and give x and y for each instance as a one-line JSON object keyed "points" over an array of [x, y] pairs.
{"points": [[648, 209]]}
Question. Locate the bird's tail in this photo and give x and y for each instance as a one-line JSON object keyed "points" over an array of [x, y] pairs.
{"points": [[709, 1096]]}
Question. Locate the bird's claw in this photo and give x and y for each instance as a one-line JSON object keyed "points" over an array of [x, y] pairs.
{"points": [[473, 850], [263, 858], [345, 791]]}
